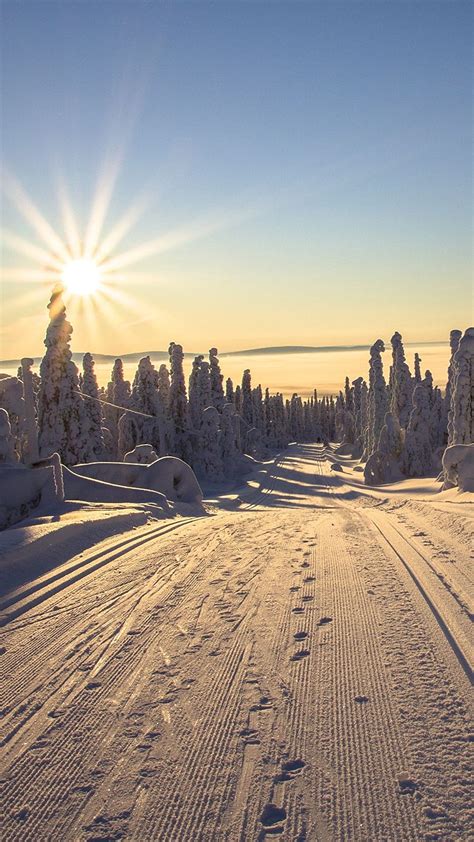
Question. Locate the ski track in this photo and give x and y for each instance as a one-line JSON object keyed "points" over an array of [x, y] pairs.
{"points": [[271, 671]]}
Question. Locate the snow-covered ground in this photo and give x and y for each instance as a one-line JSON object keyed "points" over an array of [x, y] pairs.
{"points": [[297, 661]]}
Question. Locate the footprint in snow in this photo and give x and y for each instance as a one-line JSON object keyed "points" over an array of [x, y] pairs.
{"points": [[298, 656], [272, 815], [361, 700], [324, 621], [290, 769], [297, 610], [300, 635]]}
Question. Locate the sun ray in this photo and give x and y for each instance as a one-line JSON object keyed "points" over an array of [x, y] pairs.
{"points": [[121, 229], [22, 246], [27, 275], [100, 205], [183, 235], [69, 221], [31, 214]]}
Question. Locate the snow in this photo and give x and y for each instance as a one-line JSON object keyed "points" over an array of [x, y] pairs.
{"points": [[167, 476], [458, 466], [312, 631]]}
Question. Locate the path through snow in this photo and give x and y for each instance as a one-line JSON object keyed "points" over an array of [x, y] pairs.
{"points": [[298, 666]]}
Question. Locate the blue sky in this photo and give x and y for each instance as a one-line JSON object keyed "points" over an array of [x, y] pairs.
{"points": [[333, 139]]}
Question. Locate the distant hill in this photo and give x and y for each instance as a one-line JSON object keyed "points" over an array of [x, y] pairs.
{"points": [[248, 352]]}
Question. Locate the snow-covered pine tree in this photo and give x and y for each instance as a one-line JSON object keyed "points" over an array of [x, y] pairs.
{"points": [[229, 390], [146, 399], [454, 340], [247, 404], [178, 406], [258, 413], [238, 400], [164, 387], [376, 399], [417, 460], [205, 393], [62, 419], [195, 409], [402, 386], [417, 369], [209, 461], [461, 416], [229, 449], [93, 406], [384, 464], [118, 392], [8, 455], [216, 378]]}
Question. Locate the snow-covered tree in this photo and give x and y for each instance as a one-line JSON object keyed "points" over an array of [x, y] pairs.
{"points": [[195, 408], [146, 399], [163, 386], [247, 403], [454, 340], [93, 406], [62, 419], [8, 455], [209, 464], [118, 393], [229, 390], [384, 464], [417, 368], [178, 406], [461, 416], [418, 447], [228, 440], [376, 399], [216, 378], [402, 386]]}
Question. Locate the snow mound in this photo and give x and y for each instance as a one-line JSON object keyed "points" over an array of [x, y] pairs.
{"points": [[168, 475], [458, 466], [91, 490], [142, 454], [21, 490]]}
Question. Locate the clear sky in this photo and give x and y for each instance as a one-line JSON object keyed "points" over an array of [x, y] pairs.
{"points": [[305, 168]]}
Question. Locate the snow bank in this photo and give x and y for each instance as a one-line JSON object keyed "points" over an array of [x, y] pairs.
{"points": [[93, 490], [458, 466], [22, 489], [168, 475]]}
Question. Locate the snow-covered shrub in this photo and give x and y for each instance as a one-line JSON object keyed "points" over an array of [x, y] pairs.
{"points": [[458, 466], [142, 454]]}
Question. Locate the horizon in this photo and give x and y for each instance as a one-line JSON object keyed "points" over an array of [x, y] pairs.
{"points": [[304, 172]]}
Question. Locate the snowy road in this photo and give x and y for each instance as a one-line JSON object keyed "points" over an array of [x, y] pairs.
{"points": [[298, 666]]}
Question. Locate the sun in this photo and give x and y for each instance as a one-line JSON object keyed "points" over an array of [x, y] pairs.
{"points": [[81, 276]]}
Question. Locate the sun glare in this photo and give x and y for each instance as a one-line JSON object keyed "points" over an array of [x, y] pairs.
{"points": [[81, 276]]}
